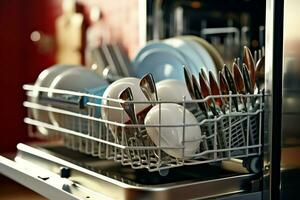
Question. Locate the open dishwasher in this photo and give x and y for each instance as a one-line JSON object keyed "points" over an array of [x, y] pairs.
{"points": [[89, 158], [86, 157]]}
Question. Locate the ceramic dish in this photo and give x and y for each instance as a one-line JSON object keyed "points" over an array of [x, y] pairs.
{"points": [[113, 91], [162, 60], [172, 114], [163, 64], [44, 80], [77, 79], [204, 55], [159, 45], [196, 62], [172, 90], [217, 58]]}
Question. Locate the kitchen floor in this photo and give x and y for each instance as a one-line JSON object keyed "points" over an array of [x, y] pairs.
{"points": [[10, 190]]}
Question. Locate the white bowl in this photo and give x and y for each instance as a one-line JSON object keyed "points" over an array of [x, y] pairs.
{"points": [[113, 91], [44, 80], [172, 90], [172, 114], [78, 79]]}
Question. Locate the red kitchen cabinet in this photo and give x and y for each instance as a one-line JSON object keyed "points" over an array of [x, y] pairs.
{"points": [[21, 60]]}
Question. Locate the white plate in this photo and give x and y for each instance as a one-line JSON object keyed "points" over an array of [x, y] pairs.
{"points": [[78, 79], [44, 80]]}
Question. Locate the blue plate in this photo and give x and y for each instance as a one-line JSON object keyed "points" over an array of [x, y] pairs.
{"points": [[196, 62], [159, 45], [161, 63], [162, 60]]}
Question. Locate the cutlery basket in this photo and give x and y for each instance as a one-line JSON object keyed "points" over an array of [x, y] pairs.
{"points": [[233, 134], [75, 119]]}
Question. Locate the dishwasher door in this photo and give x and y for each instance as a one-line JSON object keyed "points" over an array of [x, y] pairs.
{"points": [[60, 173]]}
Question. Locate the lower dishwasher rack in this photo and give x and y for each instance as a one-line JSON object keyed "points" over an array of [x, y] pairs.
{"points": [[88, 125], [57, 172]]}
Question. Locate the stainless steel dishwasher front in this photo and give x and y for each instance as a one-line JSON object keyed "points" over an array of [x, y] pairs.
{"points": [[59, 173]]}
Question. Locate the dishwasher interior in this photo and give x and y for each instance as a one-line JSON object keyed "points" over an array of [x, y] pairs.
{"points": [[82, 159]]}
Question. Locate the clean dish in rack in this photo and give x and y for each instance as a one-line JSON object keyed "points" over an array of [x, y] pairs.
{"points": [[186, 49], [195, 62], [161, 63], [204, 55], [44, 80], [78, 79], [165, 58], [160, 59], [213, 52], [172, 90], [172, 114], [114, 113]]}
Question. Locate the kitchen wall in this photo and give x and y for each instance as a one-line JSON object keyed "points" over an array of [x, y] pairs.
{"points": [[121, 19]]}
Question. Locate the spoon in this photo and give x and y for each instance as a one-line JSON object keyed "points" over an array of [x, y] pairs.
{"points": [[238, 78], [141, 134], [237, 61], [148, 87], [215, 90], [260, 74], [203, 74], [247, 82], [190, 87], [188, 82], [198, 95], [249, 61], [246, 77], [126, 95], [231, 85], [239, 81], [224, 88], [205, 91]]}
